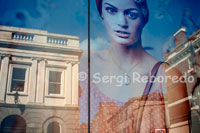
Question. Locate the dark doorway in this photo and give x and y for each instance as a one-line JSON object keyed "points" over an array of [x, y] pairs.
{"points": [[53, 127], [13, 124]]}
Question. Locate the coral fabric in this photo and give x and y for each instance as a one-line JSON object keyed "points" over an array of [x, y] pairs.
{"points": [[153, 116]]}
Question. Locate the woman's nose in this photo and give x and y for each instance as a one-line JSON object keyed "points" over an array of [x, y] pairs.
{"points": [[122, 22]]}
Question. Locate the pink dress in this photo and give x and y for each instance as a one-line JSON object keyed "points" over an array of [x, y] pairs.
{"points": [[107, 113]]}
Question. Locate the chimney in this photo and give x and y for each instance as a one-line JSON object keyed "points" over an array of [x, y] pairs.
{"points": [[180, 36]]}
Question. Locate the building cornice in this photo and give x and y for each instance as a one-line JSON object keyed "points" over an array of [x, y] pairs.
{"points": [[193, 38], [67, 56], [184, 52], [35, 32], [36, 39], [38, 106]]}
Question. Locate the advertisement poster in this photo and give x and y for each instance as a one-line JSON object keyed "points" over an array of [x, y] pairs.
{"points": [[99, 66]]}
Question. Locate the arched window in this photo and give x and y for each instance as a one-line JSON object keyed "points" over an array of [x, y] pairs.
{"points": [[13, 124], [53, 127]]}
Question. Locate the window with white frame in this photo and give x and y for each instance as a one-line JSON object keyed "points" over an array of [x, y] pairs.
{"points": [[55, 83], [18, 78]]}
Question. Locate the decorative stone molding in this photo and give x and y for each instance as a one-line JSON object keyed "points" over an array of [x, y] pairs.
{"points": [[183, 53], [35, 58], [4, 55], [73, 62], [45, 60], [58, 120]]}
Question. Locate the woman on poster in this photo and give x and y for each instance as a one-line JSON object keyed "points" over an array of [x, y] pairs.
{"points": [[124, 71]]}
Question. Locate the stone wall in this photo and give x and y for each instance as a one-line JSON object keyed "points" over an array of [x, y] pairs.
{"points": [[38, 117]]}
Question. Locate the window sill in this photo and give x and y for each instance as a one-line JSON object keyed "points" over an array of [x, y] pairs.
{"points": [[55, 96], [19, 93]]}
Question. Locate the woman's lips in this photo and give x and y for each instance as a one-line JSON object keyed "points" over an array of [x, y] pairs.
{"points": [[122, 34]]}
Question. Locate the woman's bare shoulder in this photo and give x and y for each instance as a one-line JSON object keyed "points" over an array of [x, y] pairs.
{"points": [[148, 62]]}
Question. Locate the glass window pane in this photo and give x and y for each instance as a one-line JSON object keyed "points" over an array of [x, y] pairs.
{"points": [[17, 85], [19, 73], [54, 88], [54, 76]]}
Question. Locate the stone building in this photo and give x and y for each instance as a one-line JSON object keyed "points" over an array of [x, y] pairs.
{"points": [[186, 58], [38, 81]]}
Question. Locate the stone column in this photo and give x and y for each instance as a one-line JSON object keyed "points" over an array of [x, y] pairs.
{"points": [[68, 84], [0, 62], [41, 82], [75, 83], [33, 80], [3, 77]]}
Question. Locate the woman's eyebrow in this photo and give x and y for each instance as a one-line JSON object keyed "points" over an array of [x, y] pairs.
{"points": [[110, 5], [131, 9]]}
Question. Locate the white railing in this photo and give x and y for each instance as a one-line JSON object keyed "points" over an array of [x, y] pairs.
{"points": [[57, 41], [25, 37], [39, 37]]}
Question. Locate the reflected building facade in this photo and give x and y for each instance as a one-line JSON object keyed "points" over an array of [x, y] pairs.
{"points": [[184, 112], [39, 87]]}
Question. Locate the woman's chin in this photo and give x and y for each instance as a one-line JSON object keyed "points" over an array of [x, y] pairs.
{"points": [[124, 42]]}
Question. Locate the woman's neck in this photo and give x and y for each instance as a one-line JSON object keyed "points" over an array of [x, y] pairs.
{"points": [[128, 55]]}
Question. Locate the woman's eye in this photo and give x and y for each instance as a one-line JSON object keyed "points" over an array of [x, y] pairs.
{"points": [[111, 10], [132, 15]]}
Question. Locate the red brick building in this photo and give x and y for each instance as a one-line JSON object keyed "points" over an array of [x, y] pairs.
{"points": [[123, 119], [106, 110], [185, 58], [84, 128]]}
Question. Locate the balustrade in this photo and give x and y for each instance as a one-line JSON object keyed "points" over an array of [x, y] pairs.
{"points": [[21, 36], [38, 37], [62, 42]]}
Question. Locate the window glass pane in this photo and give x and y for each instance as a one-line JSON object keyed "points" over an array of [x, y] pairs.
{"points": [[18, 79], [54, 88], [19, 73], [54, 76], [17, 85]]}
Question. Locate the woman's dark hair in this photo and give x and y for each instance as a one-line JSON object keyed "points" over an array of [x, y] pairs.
{"points": [[142, 4]]}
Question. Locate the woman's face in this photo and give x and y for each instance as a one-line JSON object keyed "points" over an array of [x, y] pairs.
{"points": [[123, 21]]}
